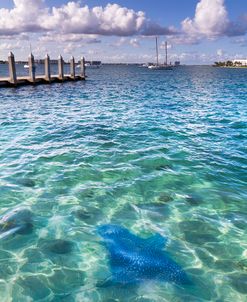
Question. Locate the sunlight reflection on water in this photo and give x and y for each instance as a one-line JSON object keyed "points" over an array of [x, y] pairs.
{"points": [[156, 152]]}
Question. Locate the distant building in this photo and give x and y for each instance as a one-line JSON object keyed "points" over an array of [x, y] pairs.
{"points": [[240, 62], [93, 64], [42, 61], [177, 63]]}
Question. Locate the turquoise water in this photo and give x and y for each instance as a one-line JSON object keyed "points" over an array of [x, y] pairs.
{"points": [[154, 151]]}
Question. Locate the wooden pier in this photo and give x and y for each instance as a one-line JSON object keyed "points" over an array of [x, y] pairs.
{"points": [[32, 79]]}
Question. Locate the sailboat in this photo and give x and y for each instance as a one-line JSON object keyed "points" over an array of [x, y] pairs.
{"points": [[158, 66], [26, 66]]}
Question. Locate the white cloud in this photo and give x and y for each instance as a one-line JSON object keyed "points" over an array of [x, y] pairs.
{"points": [[10, 45], [110, 20], [72, 18], [211, 19], [70, 28], [22, 18], [220, 52], [134, 42], [20, 37], [121, 41], [163, 45], [185, 39], [65, 38]]}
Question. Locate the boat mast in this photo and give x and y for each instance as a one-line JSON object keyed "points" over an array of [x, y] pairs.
{"points": [[166, 52], [157, 53]]}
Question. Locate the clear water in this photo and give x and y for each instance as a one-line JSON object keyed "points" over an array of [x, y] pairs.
{"points": [[154, 151]]}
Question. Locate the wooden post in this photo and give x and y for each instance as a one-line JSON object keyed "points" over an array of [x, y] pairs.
{"points": [[60, 68], [83, 73], [72, 67], [12, 70], [32, 68], [47, 68]]}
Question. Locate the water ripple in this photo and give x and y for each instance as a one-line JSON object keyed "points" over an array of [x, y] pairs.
{"points": [[154, 152]]}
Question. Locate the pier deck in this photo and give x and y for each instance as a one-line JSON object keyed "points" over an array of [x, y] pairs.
{"points": [[39, 79]]}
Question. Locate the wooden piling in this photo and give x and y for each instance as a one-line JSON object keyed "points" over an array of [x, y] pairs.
{"points": [[32, 68], [72, 67], [33, 79], [47, 68], [12, 70], [83, 73], [60, 68]]}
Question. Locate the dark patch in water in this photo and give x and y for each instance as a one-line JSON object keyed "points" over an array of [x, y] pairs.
{"points": [[26, 229], [199, 232], [88, 193], [196, 226], [239, 282], [82, 214], [242, 264], [27, 182], [194, 200], [58, 246], [225, 265], [197, 238], [89, 214], [164, 198]]}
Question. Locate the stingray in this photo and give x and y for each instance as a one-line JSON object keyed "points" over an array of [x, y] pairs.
{"points": [[133, 259], [16, 221]]}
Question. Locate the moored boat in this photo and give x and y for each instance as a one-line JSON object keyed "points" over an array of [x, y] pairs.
{"points": [[158, 66]]}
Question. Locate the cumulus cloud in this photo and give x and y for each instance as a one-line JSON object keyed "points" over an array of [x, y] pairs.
{"points": [[64, 38], [72, 18], [110, 20], [22, 18], [211, 21]]}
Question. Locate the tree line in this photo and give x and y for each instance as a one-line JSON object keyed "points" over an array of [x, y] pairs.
{"points": [[227, 64]]}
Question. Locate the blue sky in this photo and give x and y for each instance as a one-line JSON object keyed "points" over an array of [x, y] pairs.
{"points": [[197, 31]]}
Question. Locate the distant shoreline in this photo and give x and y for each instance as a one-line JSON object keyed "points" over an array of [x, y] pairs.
{"points": [[232, 67]]}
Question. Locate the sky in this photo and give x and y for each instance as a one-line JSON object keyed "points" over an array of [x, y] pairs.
{"points": [[197, 31]]}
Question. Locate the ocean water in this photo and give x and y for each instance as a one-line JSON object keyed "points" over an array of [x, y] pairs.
{"points": [[153, 151]]}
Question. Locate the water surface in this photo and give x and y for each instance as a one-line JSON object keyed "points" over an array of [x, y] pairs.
{"points": [[153, 151]]}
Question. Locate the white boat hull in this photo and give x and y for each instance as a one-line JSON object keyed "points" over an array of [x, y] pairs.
{"points": [[159, 67]]}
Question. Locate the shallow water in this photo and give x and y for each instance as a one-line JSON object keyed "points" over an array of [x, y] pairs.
{"points": [[153, 151]]}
